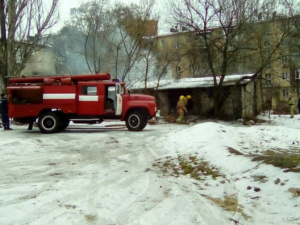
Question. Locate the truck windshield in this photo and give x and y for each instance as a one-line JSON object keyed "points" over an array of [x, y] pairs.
{"points": [[112, 91]]}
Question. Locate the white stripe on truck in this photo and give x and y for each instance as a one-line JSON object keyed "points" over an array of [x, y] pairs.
{"points": [[82, 98], [58, 96], [88, 98]]}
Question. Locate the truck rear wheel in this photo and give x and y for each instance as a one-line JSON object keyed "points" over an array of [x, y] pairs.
{"points": [[136, 121], [64, 121], [49, 122]]}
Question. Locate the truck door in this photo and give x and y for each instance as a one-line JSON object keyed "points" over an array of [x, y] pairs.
{"points": [[88, 99], [118, 99]]}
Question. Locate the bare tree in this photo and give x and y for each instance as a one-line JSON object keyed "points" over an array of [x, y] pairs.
{"points": [[113, 35], [131, 26], [25, 22], [69, 51], [148, 61], [152, 64], [94, 21]]}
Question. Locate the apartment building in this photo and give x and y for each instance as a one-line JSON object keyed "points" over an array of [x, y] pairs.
{"points": [[281, 75], [271, 49]]}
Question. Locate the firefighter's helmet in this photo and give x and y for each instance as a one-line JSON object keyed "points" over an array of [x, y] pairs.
{"points": [[181, 98], [189, 97]]}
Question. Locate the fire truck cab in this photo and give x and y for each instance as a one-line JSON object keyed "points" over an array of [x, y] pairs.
{"points": [[54, 101]]}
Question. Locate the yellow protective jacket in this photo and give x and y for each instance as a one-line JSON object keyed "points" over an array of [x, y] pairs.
{"points": [[181, 107], [185, 101]]}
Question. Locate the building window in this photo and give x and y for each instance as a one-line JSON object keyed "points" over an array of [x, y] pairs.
{"points": [[297, 72], [285, 76], [178, 71], [165, 70], [220, 34], [284, 60], [267, 47], [268, 79], [283, 26], [250, 62], [163, 42], [208, 35], [192, 69], [285, 92], [295, 56], [268, 33], [19, 56], [285, 44]]}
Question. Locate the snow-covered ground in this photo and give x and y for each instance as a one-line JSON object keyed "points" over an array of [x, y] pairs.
{"points": [[168, 174]]}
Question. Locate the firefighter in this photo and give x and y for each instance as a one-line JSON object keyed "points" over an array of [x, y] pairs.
{"points": [[185, 99], [181, 110], [291, 104], [4, 112]]}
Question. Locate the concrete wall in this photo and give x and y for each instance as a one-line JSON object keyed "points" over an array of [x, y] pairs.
{"points": [[163, 103], [42, 62], [247, 99]]}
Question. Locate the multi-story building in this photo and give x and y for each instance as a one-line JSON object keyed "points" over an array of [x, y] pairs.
{"points": [[272, 52], [281, 74]]}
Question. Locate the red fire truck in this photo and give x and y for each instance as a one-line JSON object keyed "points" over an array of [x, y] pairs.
{"points": [[54, 101]]}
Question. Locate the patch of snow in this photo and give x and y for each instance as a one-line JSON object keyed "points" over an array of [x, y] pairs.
{"points": [[103, 174]]}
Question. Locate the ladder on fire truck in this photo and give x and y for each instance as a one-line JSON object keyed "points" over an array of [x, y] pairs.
{"points": [[62, 79]]}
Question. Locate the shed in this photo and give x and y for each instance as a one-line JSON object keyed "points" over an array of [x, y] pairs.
{"points": [[243, 101]]}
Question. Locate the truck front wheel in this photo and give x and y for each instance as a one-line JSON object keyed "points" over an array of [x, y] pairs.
{"points": [[48, 122], [136, 121]]}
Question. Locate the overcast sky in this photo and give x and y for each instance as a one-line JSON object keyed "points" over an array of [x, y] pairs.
{"points": [[66, 5], [64, 8]]}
